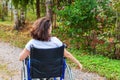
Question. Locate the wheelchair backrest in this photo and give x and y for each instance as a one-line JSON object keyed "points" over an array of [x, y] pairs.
{"points": [[46, 63]]}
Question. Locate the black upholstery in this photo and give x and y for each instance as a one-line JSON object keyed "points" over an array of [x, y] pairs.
{"points": [[46, 63]]}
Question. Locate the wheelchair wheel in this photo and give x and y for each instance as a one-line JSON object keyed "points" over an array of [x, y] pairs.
{"points": [[22, 74], [68, 73]]}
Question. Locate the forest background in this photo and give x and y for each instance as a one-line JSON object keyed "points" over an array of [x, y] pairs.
{"points": [[90, 28]]}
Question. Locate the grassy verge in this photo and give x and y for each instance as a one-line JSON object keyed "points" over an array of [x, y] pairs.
{"points": [[16, 38], [93, 63], [99, 64]]}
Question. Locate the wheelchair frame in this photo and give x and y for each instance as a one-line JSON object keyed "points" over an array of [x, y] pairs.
{"points": [[25, 71]]}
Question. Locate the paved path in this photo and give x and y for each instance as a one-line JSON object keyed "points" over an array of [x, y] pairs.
{"points": [[12, 67]]}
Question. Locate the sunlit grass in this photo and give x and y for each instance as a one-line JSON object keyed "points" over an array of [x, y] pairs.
{"points": [[104, 66], [16, 38], [7, 23]]}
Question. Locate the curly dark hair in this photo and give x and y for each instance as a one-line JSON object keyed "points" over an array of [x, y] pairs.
{"points": [[40, 29]]}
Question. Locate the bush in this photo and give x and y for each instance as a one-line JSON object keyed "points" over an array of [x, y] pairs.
{"points": [[80, 14], [90, 20]]}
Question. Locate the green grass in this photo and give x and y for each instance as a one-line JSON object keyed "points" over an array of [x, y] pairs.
{"points": [[14, 37], [6, 23], [103, 66]]}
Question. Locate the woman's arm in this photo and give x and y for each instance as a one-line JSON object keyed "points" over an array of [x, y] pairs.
{"points": [[72, 58], [24, 54]]}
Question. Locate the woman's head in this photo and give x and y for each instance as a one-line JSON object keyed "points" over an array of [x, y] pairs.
{"points": [[41, 29]]}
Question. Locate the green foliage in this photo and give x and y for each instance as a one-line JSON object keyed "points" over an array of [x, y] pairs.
{"points": [[105, 50], [79, 14], [22, 3], [83, 17], [116, 5], [30, 15]]}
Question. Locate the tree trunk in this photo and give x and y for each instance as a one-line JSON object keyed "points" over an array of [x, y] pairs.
{"points": [[49, 9], [117, 26], [43, 8], [6, 8], [54, 14], [16, 20], [11, 14], [69, 1], [3, 11], [0, 10], [10, 7], [117, 36], [22, 18], [38, 8]]}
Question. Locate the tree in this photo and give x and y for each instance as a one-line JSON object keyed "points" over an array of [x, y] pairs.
{"points": [[116, 6], [4, 9], [38, 8], [22, 5], [69, 1], [0, 10], [49, 9], [16, 20]]}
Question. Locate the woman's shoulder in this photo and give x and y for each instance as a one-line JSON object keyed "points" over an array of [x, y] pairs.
{"points": [[55, 38], [57, 41], [34, 40], [31, 41]]}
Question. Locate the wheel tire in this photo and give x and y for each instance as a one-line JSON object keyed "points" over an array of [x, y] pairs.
{"points": [[69, 72], [22, 74]]}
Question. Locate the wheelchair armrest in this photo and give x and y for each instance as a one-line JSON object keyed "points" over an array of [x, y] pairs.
{"points": [[25, 61], [65, 45], [65, 58]]}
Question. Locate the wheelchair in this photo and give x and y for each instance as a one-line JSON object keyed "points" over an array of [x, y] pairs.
{"points": [[46, 64]]}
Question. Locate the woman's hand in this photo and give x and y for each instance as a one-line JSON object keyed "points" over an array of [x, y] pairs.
{"points": [[72, 58], [79, 66]]}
